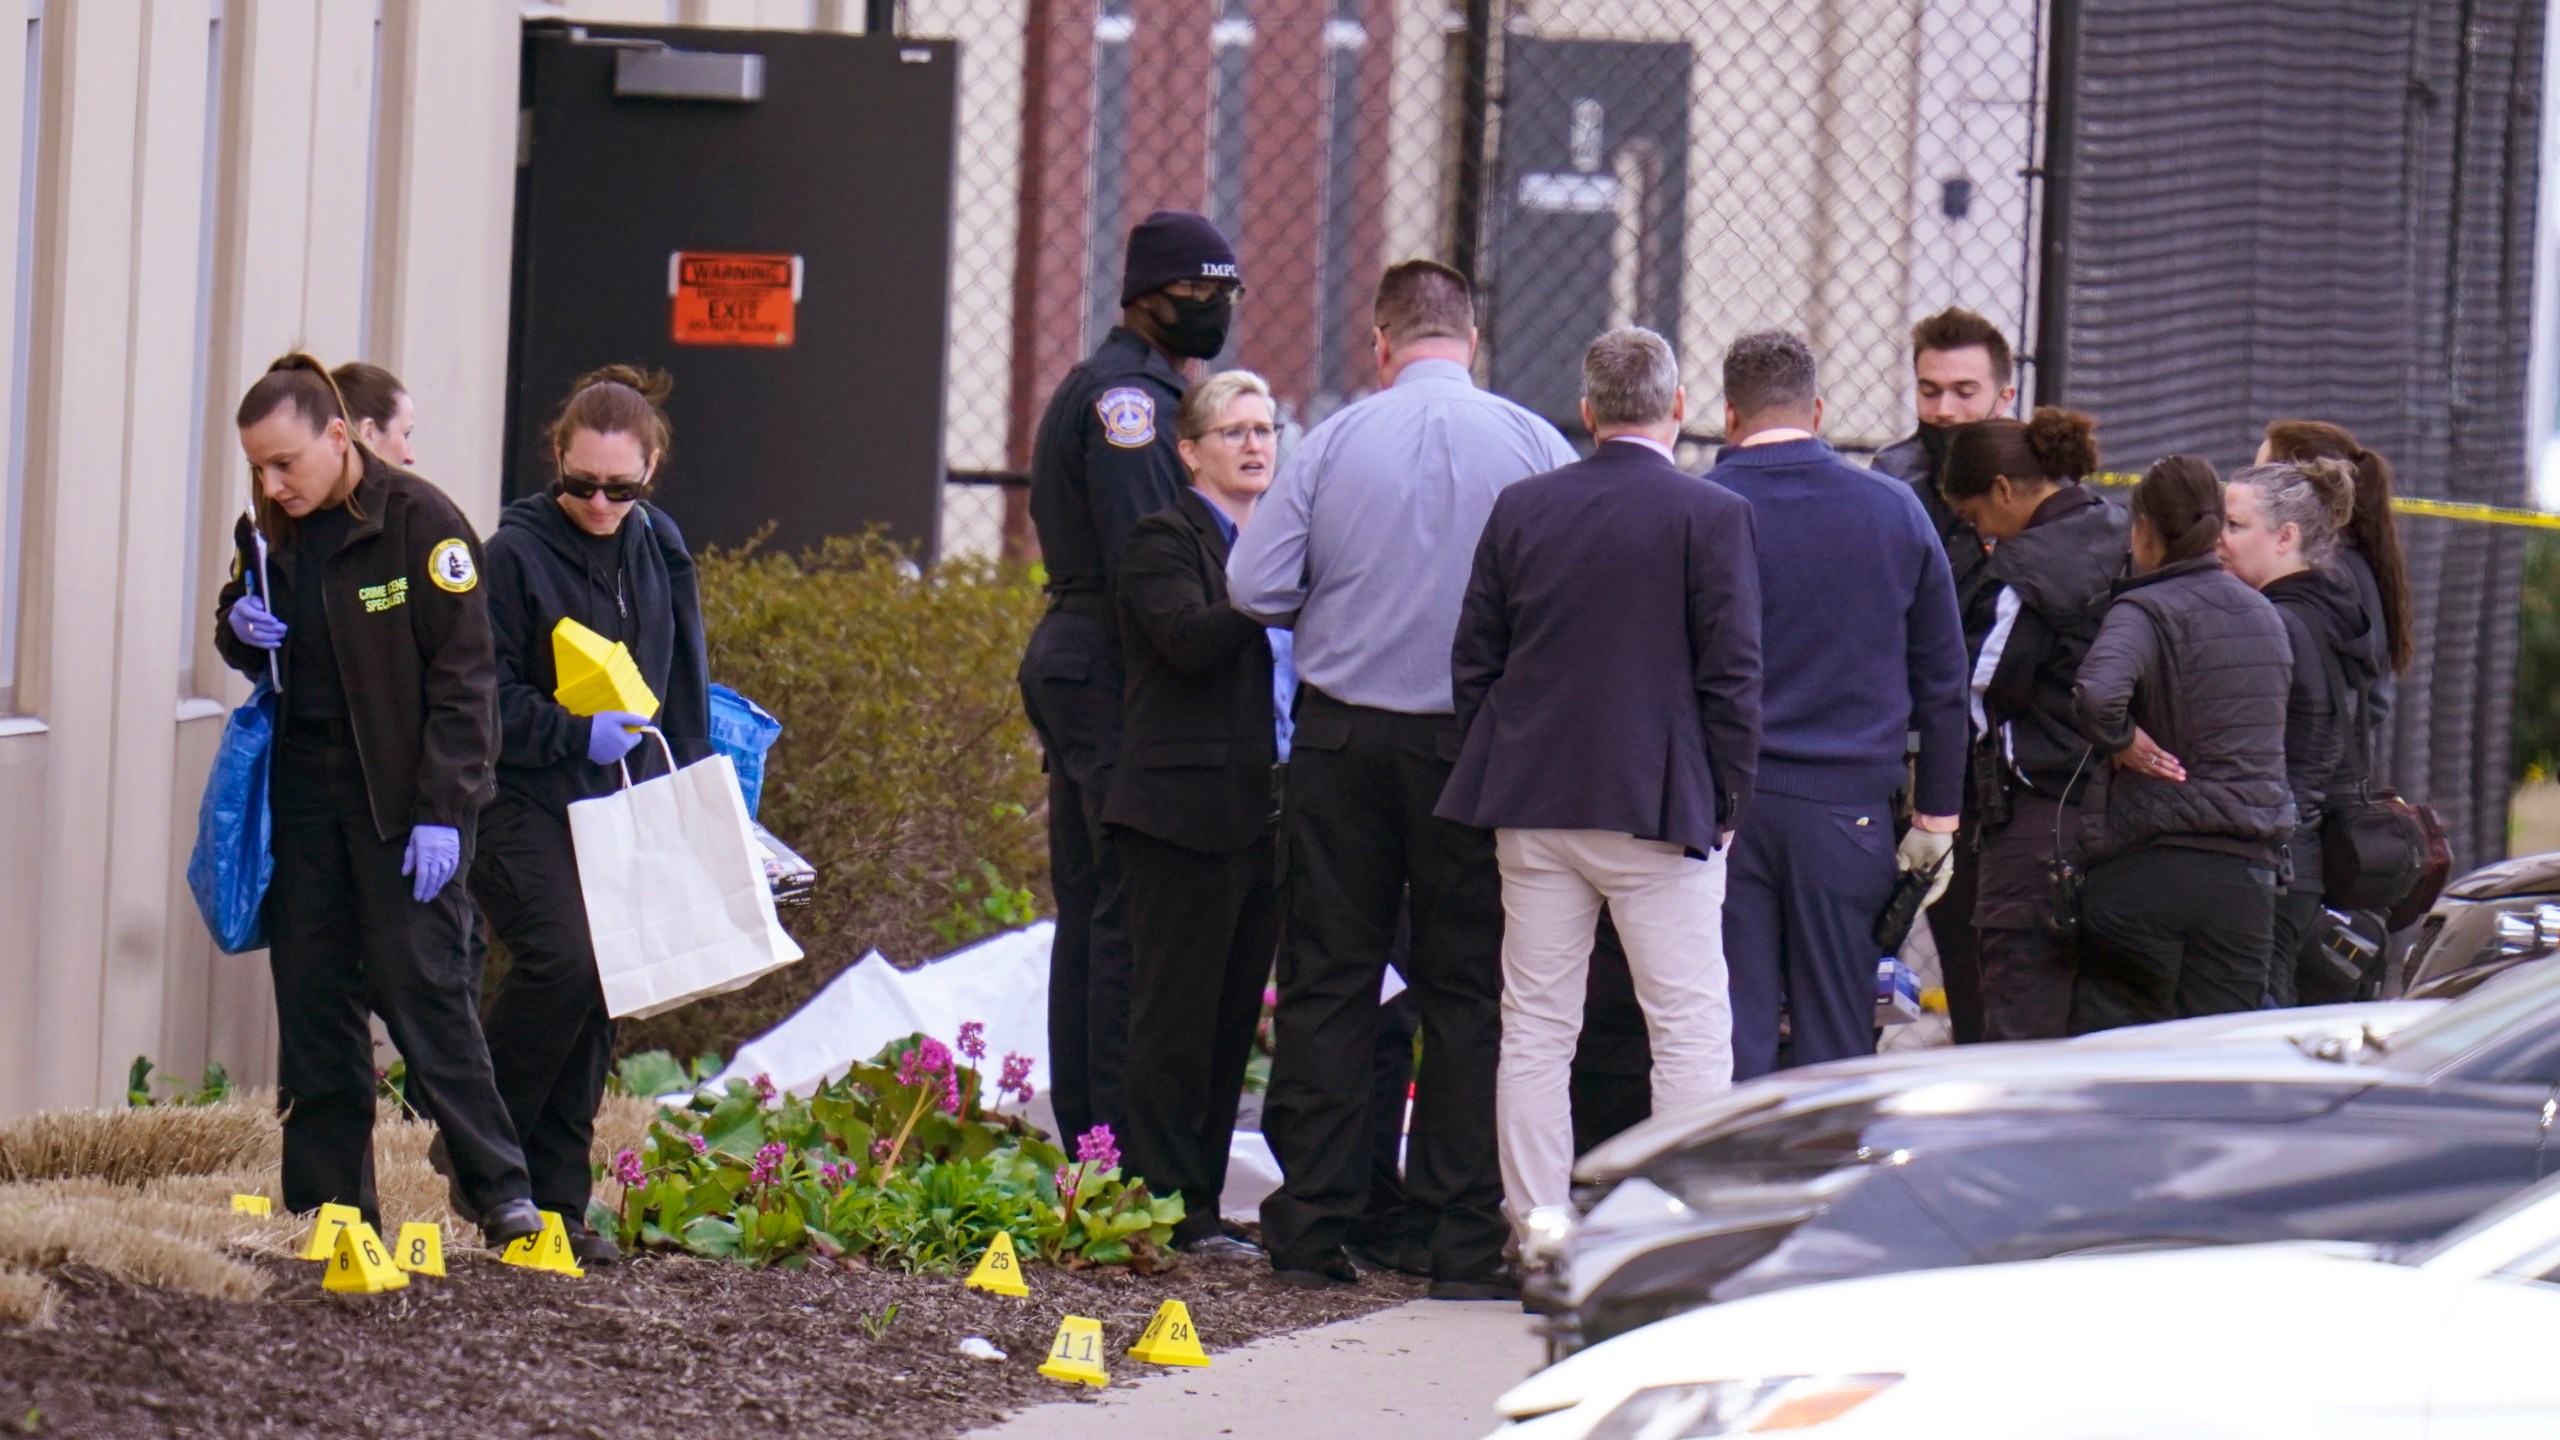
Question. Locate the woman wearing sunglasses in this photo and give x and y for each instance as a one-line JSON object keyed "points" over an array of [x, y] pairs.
{"points": [[594, 550]]}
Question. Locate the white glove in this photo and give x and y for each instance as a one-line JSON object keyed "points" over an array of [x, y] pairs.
{"points": [[1932, 854]]}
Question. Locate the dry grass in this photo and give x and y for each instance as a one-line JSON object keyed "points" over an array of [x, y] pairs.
{"points": [[24, 1299], [130, 1147], [144, 1196]]}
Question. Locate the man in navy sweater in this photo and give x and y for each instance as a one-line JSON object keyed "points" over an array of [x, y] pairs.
{"points": [[1860, 647]]}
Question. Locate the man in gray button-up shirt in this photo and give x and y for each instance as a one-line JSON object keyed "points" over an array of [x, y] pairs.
{"points": [[1363, 545]]}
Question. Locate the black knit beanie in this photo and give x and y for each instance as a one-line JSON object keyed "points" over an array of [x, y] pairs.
{"points": [[1174, 245]]}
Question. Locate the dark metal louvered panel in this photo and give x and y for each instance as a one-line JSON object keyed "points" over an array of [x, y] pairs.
{"points": [[2323, 209]]}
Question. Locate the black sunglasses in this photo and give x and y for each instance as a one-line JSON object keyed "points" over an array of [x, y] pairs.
{"points": [[620, 492]]}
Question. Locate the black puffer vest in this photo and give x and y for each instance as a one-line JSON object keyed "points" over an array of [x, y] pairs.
{"points": [[2064, 571], [2213, 695]]}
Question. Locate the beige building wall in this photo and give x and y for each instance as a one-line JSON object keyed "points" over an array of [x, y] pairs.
{"points": [[357, 199], [218, 182]]}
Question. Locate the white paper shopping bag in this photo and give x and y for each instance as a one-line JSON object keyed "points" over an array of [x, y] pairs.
{"points": [[676, 898]]}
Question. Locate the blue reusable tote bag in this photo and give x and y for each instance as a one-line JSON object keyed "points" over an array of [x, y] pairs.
{"points": [[234, 855], [741, 730]]}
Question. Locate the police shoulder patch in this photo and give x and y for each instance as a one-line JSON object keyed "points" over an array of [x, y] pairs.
{"points": [[449, 565], [1128, 417]]}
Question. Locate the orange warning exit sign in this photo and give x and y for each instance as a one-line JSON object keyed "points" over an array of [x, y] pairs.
{"points": [[723, 299]]}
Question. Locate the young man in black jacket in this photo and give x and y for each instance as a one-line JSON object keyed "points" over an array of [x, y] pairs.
{"points": [[590, 549]]}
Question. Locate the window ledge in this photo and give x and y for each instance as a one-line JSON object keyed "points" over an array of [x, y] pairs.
{"points": [[199, 708], [21, 725]]}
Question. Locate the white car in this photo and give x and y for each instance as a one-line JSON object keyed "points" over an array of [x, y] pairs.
{"points": [[2452, 1341]]}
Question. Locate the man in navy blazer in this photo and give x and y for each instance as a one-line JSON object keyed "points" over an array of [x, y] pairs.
{"points": [[1607, 678]]}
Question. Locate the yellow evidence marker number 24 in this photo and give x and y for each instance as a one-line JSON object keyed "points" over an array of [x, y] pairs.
{"points": [[1076, 1355], [1170, 1338]]}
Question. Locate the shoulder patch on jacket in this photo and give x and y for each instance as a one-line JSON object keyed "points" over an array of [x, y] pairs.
{"points": [[1128, 417], [449, 565]]}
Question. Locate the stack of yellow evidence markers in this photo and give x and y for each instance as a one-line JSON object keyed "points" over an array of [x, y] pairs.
{"points": [[999, 1271], [546, 1251], [1170, 1338], [596, 674]]}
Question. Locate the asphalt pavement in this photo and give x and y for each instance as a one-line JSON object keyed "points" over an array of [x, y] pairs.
{"points": [[1427, 1370]]}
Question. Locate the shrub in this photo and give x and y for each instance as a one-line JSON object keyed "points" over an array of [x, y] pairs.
{"points": [[906, 772]]}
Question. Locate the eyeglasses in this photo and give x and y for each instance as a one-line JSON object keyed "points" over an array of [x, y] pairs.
{"points": [[619, 490], [1238, 434]]}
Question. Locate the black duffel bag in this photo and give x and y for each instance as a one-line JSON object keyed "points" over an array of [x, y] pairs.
{"points": [[2373, 849]]}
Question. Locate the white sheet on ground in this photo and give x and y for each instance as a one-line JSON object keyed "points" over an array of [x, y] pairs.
{"points": [[1003, 983], [1251, 1175]]}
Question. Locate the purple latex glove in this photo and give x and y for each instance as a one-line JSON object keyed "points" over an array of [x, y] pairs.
{"points": [[434, 853], [611, 734], [251, 622]]}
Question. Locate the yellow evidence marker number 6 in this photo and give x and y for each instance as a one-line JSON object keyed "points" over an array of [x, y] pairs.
{"points": [[358, 1266]]}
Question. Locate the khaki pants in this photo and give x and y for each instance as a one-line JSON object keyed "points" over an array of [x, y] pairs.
{"points": [[1669, 910]]}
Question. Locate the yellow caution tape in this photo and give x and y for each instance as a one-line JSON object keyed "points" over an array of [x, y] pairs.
{"points": [[2420, 505]]}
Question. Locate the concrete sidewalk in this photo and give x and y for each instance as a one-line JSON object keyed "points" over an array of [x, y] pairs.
{"points": [[1427, 1370]]}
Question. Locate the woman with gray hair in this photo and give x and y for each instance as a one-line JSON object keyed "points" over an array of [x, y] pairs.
{"points": [[2280, 533], [1191, 807]]}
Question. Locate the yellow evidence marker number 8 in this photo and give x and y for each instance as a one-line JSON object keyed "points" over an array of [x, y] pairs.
{"points": [[420, 1249]]}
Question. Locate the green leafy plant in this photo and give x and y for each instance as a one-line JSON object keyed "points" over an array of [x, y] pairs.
{"points": [[897, 1161], [875, 1326], [653, 1073], [212, 1088]]}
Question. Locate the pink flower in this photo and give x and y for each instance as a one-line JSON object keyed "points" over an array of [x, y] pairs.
{"points": [[1016, 1079], [628, 1169], [1098, 1148], [973, 1041], [880, 1149], [764, 1088], [951, 1092], [768, 1161], [700, 1145], [927, 1060]]}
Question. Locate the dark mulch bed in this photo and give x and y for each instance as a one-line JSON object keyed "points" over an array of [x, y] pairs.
{"points": [[658, 1348]]}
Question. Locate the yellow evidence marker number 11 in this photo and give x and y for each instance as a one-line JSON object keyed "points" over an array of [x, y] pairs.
{"points": [[1170, 1338], [1076, 1355], [358, 1266], [999, 1271]]}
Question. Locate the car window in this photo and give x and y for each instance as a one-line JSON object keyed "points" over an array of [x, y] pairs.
{"points": [[2528, 996]]}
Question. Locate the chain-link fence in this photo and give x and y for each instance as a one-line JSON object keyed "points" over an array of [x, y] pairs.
{"points": [[1703, 167]]}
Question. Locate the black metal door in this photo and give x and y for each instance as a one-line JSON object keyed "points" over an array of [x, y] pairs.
{"points": [[639, 148], [1594, 176]]}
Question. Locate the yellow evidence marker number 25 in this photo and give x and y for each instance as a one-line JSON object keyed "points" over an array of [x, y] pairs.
{"points": [[1076, 1355], [999, 1271]]}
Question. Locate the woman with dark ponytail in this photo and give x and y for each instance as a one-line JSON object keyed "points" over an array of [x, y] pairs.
{"points": [[2060, 547], [2183, 696], [358, 590], [2281, 533], [594, 550], [2370, 556]]}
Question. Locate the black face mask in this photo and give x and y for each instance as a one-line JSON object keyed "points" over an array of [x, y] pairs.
{"points": [[1199, 327]]}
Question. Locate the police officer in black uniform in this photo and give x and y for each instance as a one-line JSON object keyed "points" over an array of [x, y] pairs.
{"points": [[1104, 457]]}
